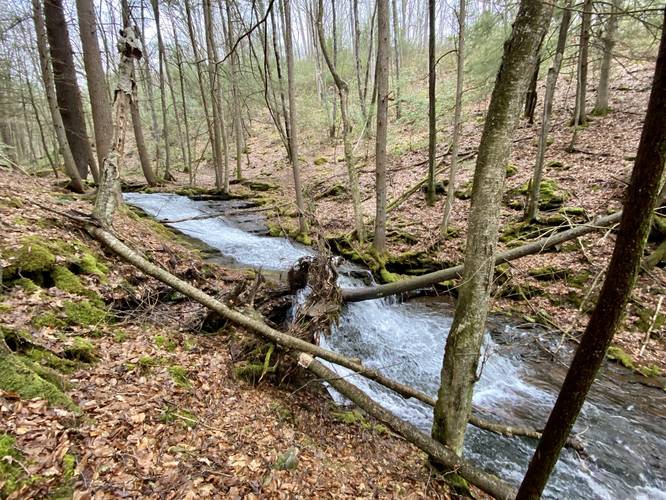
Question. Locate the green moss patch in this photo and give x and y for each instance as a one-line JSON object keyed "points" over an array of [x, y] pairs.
{"points": [[81, 350], [548, 273], [85, 313], [12, 475], [179, 376], [356, 417], [30, 258], [47, 320], [621, 356], [67, 281]]}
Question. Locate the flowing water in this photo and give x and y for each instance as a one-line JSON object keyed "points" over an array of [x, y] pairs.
{"points": [[623, 424]]}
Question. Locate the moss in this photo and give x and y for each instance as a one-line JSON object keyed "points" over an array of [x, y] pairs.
{"points": [[356, 417], [464, 192], [11, 202], [274, 230], [120, 336], [31, 257], [573, 211], [12, 476], [550, 194], [320, 161], [387, 276], [548, 273], [649, 371], [67, 281], [579, 279], [287, 460], [179, 376], [621, 356], [89, 264], [16, 376], [145, 363], [81, 350], [519, 291], [186, 418], [85, 313], [304, 238], [556, 165], [165, 343], [27, 284], [44, 357], [283, 414], [511, 170], [47, 320]]}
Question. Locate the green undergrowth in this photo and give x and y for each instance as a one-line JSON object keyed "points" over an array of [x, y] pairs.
{"points": [[357, 418], [12, 475], [622, 357]]}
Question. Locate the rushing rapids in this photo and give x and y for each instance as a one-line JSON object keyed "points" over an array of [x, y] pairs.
{"points": [[623, 424]]}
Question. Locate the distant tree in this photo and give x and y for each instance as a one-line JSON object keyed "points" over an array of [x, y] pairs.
{"points": [[601, 106], [432, 114], [463, 344], [580, 116], [620, 277]]}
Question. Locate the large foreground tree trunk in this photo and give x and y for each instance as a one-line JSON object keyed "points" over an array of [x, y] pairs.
{"points": [[67, 89], [620, 277], [454, 402]]}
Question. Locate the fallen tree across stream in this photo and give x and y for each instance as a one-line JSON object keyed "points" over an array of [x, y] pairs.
{"points": [[430, 279]]}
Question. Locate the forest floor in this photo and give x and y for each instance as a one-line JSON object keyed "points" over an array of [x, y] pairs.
{"points": [[142, 402]]}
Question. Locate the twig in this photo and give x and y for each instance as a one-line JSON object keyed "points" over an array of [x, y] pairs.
{"points": [[649, 330]]}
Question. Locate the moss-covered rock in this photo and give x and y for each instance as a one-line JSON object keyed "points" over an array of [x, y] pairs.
{"points": [[30, 258], [464, 192], [548, 273], [89, 264], [67, 281], [17, 376], [618, 354], [12, 476], [320, 160], [573, 211], [556, 165], [550, 194], [81, 350], [47, 320], [85, 313], [27, 284]]}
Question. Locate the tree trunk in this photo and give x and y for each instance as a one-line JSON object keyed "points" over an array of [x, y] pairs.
{"points": [[67, 88], [108, 194], [551, 83], [396, 59], [97, 89], [71, 168], [580, 116], [293, 138], [432, 117], [601, 106], [620, 277], [216, 139], [163, 90], [457, 113], [237, 118], [357, 59], [381, 78], [531, 95], [343, 93], [463, 344]]}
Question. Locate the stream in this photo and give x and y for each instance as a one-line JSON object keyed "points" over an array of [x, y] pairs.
{"points": [[623, 424]]}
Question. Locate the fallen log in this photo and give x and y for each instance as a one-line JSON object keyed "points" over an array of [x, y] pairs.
{"points": [[426, 280], [439, 453]]}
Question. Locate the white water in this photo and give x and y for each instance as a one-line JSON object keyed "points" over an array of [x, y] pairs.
{"points": [[623, 424]]}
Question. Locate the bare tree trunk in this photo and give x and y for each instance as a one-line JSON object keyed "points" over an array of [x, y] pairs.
{"points": [[396, 59], [531, 96], [551, 82], [187, 156], [47, 77], [278, 69], [163, 90], [67, 89], [463, 343], [381, 77], [620, 278], [343, 93], [293, 138], [601, 106], [580, 116], [457, 113], [213, 83], [432, 118], [357, 58], [237, 118], [144, 157], [108, 194], [97, 88]]}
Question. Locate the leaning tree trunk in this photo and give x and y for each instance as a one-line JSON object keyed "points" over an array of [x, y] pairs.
{"points": [[432, 116], [47, 76], [601, 106], [67, 88], [463, 344], [457, 113], [343, 93], [620, 277], [381, 80], [293, 137], [580, 117]]}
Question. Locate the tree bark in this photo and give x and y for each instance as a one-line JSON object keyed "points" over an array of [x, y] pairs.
{"points": [[293, 137], [463, 344], [97, 89], [237, 118], [381, 80], [457, 114], [601, 106], [396, 58], [67, 89], [71, 168], [620, 277], [357, 59], [432, 117], [551, 83], [580, 116]]}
